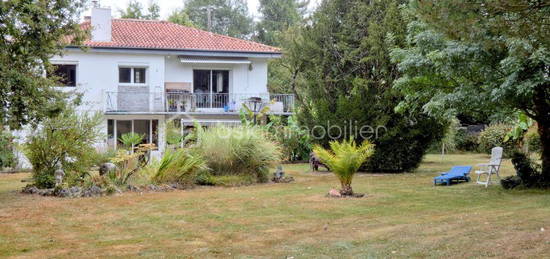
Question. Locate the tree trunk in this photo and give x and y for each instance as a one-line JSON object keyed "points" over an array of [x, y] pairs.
{"points": [[542, 109], [544, 132], [346, 190]]}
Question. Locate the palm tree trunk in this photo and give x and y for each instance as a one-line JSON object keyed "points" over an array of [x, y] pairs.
{"points": [[346, 189]]}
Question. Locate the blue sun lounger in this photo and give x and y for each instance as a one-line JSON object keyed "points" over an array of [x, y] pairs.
{"points": [[457, 173]]}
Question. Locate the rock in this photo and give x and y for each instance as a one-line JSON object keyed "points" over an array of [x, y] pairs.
{"points": [[177, 186], [334, 193], [106, 168], [64, 193], [75, 192], [133, 188], [46, 192], [93, 191], [30, 189], [153, 188]]}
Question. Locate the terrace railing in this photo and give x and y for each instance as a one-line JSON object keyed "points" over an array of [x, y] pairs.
{"points": [[174, 102]]}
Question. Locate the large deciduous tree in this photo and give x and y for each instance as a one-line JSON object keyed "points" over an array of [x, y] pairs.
{"points": [[228, 17], [32, 32], [479, 55], [342, 74]]}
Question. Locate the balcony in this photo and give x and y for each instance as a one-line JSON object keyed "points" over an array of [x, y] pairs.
{"points": [[194, 103]]}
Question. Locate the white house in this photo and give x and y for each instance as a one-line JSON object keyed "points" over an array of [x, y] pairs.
{"points": [[141, 73]]}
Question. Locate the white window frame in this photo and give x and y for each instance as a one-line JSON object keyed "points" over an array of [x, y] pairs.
{"points": [[132, 79]]}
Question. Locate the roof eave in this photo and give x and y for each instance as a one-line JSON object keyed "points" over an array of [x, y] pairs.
{"points": [[186, 52]]}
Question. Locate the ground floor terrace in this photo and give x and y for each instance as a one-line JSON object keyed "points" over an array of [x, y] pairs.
{"points": [[403, 215]]}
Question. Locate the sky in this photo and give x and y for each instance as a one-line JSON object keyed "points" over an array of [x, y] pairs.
{"points": [[167, 6]]}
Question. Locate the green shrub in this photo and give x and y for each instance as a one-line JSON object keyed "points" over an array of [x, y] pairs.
{"points": [[295, 142], [528, 173], [466, 141], [179, 166], [7, 155], [493, 136], [402, 146], [67, 141], [243, 150], [344, 159]]}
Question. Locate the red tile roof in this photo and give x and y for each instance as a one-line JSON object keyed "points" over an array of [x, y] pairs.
{"points": [[146, 34]]}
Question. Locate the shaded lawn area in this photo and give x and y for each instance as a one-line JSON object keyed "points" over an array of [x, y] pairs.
{"points": [[403, 216]]}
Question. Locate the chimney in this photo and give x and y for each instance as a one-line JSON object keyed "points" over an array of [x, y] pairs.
{"points": [[101, 24]]}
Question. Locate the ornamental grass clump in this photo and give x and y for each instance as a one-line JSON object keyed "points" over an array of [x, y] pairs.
{"points": [[344, 159], [179, 166], [244, 150]]}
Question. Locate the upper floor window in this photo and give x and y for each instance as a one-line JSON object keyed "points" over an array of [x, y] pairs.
{"points": [[66, 73], [132, 75]]}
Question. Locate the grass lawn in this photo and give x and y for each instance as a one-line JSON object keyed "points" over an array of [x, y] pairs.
{"points": [[403, 216]]}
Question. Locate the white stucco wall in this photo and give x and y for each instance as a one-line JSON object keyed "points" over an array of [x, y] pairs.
{"points": [[241, 79], [97, 73]]}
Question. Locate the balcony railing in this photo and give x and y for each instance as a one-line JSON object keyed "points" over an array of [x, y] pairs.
{"points": [[147, 102]]}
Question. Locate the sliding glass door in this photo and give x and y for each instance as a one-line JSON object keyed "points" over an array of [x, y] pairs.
{"points": [[211, 88]]}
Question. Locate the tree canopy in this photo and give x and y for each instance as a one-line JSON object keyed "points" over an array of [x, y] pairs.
{"points": [[471, 57], [179, 16], [277, 17], [343, 76], [229, 17], [134, 10], [31, 33]]}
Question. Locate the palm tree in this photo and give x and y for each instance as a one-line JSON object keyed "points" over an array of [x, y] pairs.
{"points": [[130, 140], [344, 159]]}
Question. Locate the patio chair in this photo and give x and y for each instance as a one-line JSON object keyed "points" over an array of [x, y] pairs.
{"points": [[457, 173], [493, 167]]}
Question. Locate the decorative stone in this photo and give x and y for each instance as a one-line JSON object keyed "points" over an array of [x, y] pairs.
{"points": [[30, 189], [59, 174], [46, 192], [334, 193], [106, 168], [133, 188], [64, 193]]}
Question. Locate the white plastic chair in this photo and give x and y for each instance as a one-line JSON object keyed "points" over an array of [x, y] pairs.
{"points": [[493, 167]]}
